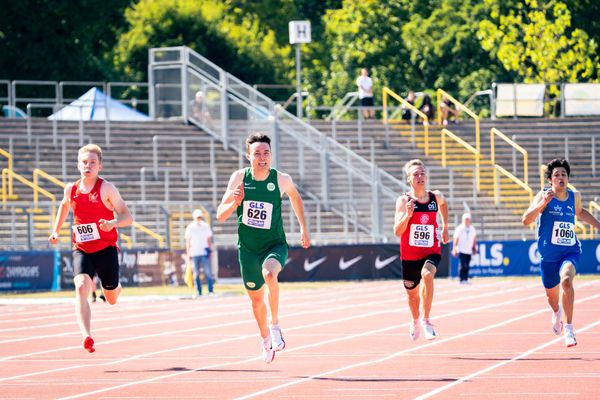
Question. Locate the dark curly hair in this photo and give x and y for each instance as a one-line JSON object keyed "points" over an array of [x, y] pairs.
{"points": [[557, 162]]}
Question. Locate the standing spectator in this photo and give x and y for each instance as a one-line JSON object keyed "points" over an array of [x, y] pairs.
{"points": [[198, 237], [407, 112], [365, 93], [465, 246]]}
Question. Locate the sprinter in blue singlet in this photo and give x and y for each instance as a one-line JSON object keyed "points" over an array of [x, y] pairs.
{"points": [[555, 209]]}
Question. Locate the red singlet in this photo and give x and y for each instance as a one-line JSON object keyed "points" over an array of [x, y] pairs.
{"points": [[420, 240], [88, 209]]}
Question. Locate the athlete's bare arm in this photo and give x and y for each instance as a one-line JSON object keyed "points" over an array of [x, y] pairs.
{"points": [[539, 203], [443, 206], [113, 200], [405, 206], [584, 215], [288, 187], [61, 214], [233, 197]]}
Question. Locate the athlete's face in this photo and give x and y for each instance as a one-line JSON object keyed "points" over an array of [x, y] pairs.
{"points": [[559, 179], [259, 154], [88, 164], [417, 177]]}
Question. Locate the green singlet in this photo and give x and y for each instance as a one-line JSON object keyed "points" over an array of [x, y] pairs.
{"points": [[260, 228]]}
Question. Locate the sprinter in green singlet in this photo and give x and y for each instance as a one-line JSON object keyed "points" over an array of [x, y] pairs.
{"points": [[255, 194]]}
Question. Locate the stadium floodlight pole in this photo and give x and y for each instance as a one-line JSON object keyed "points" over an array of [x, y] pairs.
{"points": [[299, 33]]}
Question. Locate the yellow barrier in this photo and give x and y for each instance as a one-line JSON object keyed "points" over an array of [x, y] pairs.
{"points": [[9, 160], [582, 228], [496, 132], [513, 178], [127, 240], [459, 106], [12, 174], [151, 233], [445, 132], [388, 92], [36, 174]]}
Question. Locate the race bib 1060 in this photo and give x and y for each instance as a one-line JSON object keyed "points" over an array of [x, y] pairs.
{"points": [[421, 235], [563, 234], [257, 214], [86, 232]]}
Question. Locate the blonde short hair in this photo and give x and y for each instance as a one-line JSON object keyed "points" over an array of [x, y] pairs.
{"points": [[91, 148], [412, 163]]}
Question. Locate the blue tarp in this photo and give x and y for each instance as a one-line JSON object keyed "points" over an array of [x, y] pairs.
{"points": [[92, 106]]}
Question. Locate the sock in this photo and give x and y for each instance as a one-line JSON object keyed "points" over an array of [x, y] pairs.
{"points": [[569, 327]]}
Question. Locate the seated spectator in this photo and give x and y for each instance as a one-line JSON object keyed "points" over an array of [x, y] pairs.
{"points": [[447, 110], [426, 107], [406, 112]]}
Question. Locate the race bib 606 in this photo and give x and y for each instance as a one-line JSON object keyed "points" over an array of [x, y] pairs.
{"points": [[257, 214], [563, 233], [421, 235], [86, 232]]}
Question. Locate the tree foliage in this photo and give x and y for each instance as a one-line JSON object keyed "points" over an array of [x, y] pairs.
{"points": [[240, 45], [58, 39], [538, 42]]}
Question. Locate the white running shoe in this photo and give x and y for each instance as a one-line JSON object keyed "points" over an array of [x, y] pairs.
{"points": [[277, 342], [414, 330], [268, 354], [557, 324], [428, 329], [570, 340]]}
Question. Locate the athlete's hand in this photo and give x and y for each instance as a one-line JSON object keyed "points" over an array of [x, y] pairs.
{"points": [[548, 195], [53, 238], [410, 207], [445, 236], [106, 225], [238, 194], [304, 239]]}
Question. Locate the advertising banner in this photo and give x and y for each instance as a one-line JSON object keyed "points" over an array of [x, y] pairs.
{"points": [[510, 258], [29, 270], [341, 262]]}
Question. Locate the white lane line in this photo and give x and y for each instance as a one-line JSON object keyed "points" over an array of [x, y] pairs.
{"points": [[339, 339], [500, 364], [315, 307], [399, 353]]}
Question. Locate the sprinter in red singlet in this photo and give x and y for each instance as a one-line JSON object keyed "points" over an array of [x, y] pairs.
{"points": [[94, 202], [416, 225]]}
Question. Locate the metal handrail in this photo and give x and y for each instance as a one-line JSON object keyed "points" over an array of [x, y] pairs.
{"points": [[459, 106], [513, 178], [496, 132], [127, 240], [9, 159], [445, 132], [7, 172], [388, 92], [342, 106]]}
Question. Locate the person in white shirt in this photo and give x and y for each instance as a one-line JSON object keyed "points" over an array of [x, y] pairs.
{"points": [[198, 236], [365, 93], [465, 245]]}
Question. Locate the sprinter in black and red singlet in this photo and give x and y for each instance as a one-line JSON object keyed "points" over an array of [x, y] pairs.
{"points": [[95, 202], [420, 252]]}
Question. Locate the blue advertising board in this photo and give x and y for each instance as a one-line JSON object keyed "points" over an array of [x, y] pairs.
{"points": [[510, 258], [29, 270]]}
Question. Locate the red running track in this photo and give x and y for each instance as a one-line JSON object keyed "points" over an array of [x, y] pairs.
{"points": [[343, 342]]}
